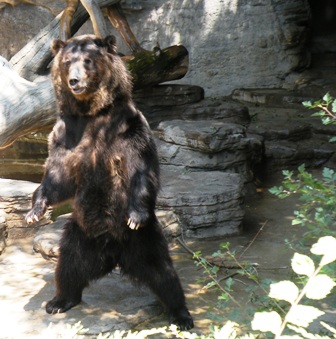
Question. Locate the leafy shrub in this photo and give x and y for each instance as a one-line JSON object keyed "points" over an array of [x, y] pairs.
{"points": [[318, 196]]}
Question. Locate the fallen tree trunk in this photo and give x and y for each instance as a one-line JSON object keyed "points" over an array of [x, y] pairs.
{"points": [[25, 106]]}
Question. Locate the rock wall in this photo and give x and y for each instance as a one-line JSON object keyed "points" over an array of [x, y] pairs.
{"points": [[232, 43]]}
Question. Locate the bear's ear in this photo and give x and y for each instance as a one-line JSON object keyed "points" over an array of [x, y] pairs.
{"points": [[56, 45], [110, 43]]}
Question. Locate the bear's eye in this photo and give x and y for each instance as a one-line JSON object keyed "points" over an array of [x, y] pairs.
{"points": [[87, 61], [67, 63]]}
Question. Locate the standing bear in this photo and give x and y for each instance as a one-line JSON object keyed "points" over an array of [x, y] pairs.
{"points": [[102, 156]]}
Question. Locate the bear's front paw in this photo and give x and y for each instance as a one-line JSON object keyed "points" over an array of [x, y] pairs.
{"points": [[136, 220], [133, 225], [32, 217], [36, 213], [59, 305]]}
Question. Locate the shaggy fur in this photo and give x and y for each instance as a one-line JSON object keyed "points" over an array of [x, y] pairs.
{"points": [[102, 156]]}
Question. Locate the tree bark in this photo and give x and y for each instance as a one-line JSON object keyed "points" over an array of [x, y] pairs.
{"points": [[25, 106]]}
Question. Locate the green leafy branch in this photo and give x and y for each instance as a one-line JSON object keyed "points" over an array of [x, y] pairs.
{"points": [[212, 272], [317, 287], [318, 196], [327, 111]]}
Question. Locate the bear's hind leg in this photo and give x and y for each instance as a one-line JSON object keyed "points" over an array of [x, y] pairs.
{"points": [[149, 262], [81, 260]]}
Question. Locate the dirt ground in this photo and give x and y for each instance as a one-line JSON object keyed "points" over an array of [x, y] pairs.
{"points": [[264, 243], [26, 281]]}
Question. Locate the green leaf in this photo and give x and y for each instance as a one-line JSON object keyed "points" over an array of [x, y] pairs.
{"points": [[328, 173], [266, 322], [333, 106], [333, 139], [302, 264], [302, 168], [304, 334], [327, 97], [227, 331], [296, 222], [325, 246], [307, 104], [303, 315], [284, 290], [275, 190], [319, 114], [319, 287]]}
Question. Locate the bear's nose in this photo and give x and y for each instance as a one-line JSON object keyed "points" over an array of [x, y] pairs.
{"points": [[73, 82]]}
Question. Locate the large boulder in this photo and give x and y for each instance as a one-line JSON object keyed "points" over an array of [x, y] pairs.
{"points": [[208, 146], [15, 202], [209, 204]]}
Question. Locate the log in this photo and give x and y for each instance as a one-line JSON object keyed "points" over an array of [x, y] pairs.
{"points": [[25, 106], [119, 21], [149, 68]]}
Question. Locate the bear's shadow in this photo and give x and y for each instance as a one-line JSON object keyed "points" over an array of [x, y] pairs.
{"points": [[111, 303]]}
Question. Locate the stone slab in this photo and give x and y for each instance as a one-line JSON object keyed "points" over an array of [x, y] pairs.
{"points": [[221, 108], [208, 204], [204, 136], [15, 202], [168, 95]]}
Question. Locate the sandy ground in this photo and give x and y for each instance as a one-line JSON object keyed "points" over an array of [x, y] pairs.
{"points": [[26, 282]]}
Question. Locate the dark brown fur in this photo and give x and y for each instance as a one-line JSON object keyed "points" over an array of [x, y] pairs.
{"points": [[103, 157]]}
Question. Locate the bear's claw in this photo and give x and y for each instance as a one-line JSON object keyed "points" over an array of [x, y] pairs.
{"points": [[32, 217], [182, 319], [133, 225], [60, 306]]}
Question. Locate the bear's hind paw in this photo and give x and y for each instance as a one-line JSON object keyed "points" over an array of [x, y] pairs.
{"points": [[60, 306], [182, 320]]}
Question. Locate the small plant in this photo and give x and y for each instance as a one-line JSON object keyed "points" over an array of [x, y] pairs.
{"points": [[317, 287], [212, 272], [318, 196], [327, 110]]}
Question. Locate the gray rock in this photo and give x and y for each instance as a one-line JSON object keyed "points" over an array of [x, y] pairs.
{"points": [[208, 204], [25, 158], [284, 154], [282, 129], [208, 145], [222, 109], [16, 188], [204, 136], [15, 202], [168, 95], [3, 231], [46, 241], [253, 35]]}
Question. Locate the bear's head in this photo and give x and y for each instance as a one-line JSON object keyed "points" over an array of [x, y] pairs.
{"points": [[89, 69]]}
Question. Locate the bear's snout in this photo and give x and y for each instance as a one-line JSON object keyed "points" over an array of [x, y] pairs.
{"points": [[76, 80], [73, 82]]}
